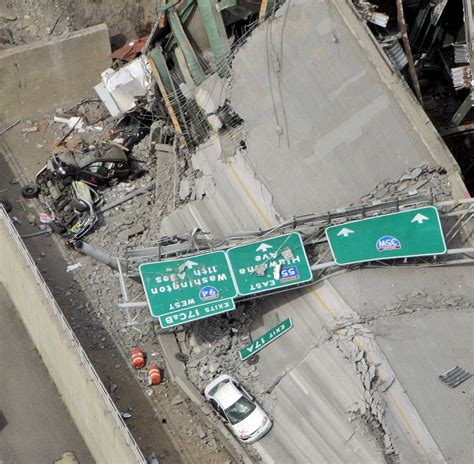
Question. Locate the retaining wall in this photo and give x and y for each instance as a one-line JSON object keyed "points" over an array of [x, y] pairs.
{"points": [[42, 76], [87, 400]]}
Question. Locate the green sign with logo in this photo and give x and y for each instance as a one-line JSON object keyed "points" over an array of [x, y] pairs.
{"points": [[181, 285], [265, 339], [416, 232], [269, 264], [198, 312]]}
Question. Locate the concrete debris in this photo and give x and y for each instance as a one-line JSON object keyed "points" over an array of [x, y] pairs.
{"points": [[418, 177], [6, 13], [27, 130], [126, 234], [72, 267], [178, 399], [420, 301], [184, 189], [384, 386], [202, 434], [371, 407], [119, 90]]}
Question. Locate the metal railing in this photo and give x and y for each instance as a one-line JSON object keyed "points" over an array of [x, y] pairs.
{"points": [[73, 339]]}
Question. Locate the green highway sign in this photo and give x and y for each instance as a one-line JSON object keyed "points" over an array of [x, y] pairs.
{"points": [[269, 264], [416, 232], [265, 339], [198, 312], [187, 283]]}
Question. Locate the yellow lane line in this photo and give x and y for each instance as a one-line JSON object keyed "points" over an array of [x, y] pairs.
{"points": [[405, 418], [250, 197], [408, 424], [323, 303], [331, 312]]}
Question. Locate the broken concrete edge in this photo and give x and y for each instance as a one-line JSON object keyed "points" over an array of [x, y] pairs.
{"points": [[397, 397], [177, 375], [405, 98], [40, 43], [34, 73]]}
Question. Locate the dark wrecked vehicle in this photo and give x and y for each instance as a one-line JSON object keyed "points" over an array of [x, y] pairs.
{"points": [[69, 186], [95, 167], [72, 208]]}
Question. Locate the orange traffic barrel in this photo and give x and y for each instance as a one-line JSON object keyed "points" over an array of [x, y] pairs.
{"points": [[138, 358], [154, 374]]}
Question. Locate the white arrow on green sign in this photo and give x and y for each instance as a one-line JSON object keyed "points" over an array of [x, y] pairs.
{"points": [[182, 285], [266, 338], [269, 264], [416, 232]]}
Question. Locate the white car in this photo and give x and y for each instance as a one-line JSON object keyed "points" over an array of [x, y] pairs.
{"points": [[246, 419]]}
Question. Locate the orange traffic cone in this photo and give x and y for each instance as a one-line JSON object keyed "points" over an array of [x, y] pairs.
{"points": [[154, 374], [138, 358]]}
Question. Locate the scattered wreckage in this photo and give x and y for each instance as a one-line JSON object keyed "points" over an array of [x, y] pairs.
{"points": [[69, 186], [70, 183]]}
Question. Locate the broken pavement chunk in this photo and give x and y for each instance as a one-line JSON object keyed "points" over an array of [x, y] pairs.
{"points": [[27, 130], [184, 189], [124, 235], [178, 399]]}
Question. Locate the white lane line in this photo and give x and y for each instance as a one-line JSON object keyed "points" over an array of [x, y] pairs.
{"points": [[298, 382]]}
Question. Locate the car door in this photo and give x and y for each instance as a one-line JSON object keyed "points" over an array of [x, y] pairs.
{"points": [[218, 409]]}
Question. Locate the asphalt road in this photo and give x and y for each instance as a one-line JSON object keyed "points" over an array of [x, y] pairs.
{"points": [[35, 426]]}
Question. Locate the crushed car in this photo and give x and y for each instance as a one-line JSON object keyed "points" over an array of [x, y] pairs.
{"points": [[238, 409], [96, 167], [69, 185]]}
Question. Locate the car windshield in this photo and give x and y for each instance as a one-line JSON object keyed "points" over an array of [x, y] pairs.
{"points": [[239, 410]]}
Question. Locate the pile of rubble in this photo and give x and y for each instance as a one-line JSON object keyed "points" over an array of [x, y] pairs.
{"points": [[212, 348], [420, 301], [423, 177], [370, 410]]}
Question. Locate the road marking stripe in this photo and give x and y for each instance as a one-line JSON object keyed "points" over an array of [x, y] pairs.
{"points": [[405, 418], [325, 305], [409, 425], [298, 382], [250, 197]]}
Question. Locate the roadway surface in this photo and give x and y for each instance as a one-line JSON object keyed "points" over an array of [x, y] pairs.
{"points": [[351, 125], [35, 426], [424, 330]]}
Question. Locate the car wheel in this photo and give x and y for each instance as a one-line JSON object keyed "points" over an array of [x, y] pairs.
{"points": [[6, 205], [30, 191], [67, 181], [57, 228]]}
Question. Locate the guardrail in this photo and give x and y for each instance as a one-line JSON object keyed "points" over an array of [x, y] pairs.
{"points": [[73, 339]]}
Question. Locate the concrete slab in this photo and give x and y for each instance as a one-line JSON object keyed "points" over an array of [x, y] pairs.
{"points": [[35, 425], [423, 320], [42, 76], [315, 398], [324, 123], [421, 346], [351, 124], [374, 292]]}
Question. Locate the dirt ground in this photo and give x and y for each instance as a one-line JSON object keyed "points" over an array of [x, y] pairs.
{"points": [[25, 21]]}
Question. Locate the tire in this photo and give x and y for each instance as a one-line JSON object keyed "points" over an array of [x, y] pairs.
{"points": [[30, 191], [6, 205], [67, 181], [57, 228]]}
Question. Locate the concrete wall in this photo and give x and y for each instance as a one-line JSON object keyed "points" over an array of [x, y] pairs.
{"points": [[42, 76], [84, 395]]}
